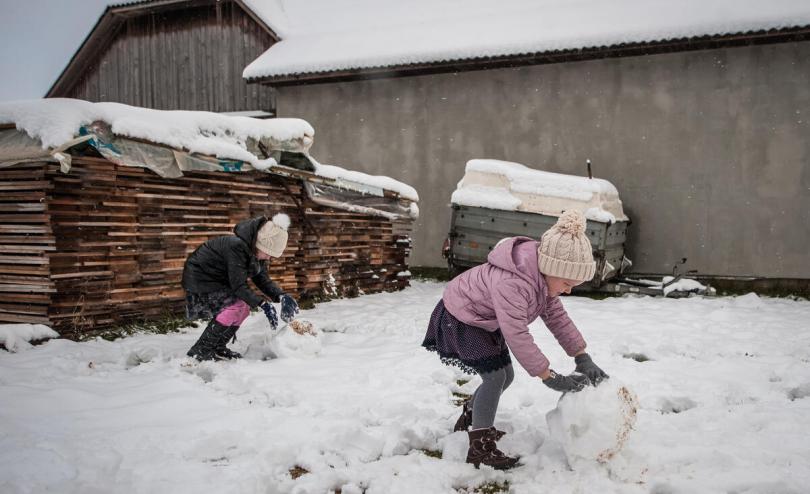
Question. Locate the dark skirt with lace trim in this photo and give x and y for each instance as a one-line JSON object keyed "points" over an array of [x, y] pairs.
{"points": [[207, 305], [472, 349]]}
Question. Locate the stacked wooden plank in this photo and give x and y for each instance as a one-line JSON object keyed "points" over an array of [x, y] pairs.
{"points": [[26, 239], [105, 244], [348, 254]]}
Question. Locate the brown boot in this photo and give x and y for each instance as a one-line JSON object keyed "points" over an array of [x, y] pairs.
{"points": [[484, 450], [464, 421]]}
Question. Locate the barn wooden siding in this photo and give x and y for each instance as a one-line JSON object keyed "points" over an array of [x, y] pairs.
{"points": [[182, 59], [105, 244]]}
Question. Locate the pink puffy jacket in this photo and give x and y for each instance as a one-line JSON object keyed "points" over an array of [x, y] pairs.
{"points": [[508, 292]]}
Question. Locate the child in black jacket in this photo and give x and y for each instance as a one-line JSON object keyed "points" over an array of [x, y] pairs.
{"points": [[215, 279]]}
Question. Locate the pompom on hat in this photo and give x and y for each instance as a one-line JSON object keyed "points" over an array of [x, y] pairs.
{"points": [[565, 251], [272, 236]]}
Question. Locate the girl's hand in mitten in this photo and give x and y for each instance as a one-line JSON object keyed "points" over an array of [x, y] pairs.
{"points": [[586, 366], [566, 384], [289, 308], [270, 312]]}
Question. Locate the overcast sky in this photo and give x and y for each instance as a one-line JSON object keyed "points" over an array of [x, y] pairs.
{"points": [[37, 39]]}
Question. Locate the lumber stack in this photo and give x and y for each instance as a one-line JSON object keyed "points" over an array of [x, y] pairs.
{"points": [[105, 244]]}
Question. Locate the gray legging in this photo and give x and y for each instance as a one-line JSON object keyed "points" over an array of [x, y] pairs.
{"points": [[486, 397]]}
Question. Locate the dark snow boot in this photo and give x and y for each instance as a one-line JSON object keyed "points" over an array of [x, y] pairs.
{"points": [[464, 421], [206, 346], [224, 353], [484, 450]]}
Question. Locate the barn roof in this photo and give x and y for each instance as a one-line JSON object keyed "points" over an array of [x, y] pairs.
{"points": [[328, 38]]}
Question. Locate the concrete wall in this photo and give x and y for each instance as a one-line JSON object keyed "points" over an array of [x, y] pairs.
{"points": [[709, 150]]}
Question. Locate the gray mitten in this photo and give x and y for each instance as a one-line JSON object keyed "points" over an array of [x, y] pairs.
{"points": [[586, 366], [566, 384]]}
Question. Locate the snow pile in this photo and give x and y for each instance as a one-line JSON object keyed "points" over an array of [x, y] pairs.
{"points": [[595, 423], [15, 337], [511, 186], [380, 34], [55, 121], [297, 339], [682, 285]]}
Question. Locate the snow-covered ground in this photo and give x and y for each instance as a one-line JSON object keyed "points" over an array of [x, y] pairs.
{"points": [[724, 406]]}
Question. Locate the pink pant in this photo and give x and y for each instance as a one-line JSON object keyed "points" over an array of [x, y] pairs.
{"points": [[234, 314]]}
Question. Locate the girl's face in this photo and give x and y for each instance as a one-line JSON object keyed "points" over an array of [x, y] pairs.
{"points": [[262, 256], [558, 286]]}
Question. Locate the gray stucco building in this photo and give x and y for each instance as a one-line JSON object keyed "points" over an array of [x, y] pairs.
{"points": [[709, 149]]}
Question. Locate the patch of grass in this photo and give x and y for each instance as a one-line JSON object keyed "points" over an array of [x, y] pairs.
{"points": [[170, 323], [429, 273], [492, 487], [298, 471], [638, 357], [432, 453]]}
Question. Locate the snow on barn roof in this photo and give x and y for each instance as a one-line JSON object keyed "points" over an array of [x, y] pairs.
{"points": [[510, 186], [56, 122], [326, 36]]}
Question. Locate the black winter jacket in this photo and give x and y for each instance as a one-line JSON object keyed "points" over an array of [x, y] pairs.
{"points": [[225, 263]]}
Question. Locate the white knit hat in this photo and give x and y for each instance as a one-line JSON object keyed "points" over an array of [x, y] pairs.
{"points": [[272, 236], [565, 251]]}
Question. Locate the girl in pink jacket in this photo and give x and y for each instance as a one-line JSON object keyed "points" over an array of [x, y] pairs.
{"points": [[485, 312]]}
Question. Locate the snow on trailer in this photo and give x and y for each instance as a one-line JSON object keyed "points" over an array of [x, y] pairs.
{"points": [[499, 199], [102, 202]]}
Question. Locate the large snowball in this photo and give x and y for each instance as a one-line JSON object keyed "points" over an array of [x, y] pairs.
{"points": [[595, 423], [298, 339]]}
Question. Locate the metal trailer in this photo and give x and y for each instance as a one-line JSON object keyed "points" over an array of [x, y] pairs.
{"points": [[475, 231]]}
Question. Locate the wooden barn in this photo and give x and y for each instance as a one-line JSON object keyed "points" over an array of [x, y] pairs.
{"points": [[95, 230], [172, 55]]}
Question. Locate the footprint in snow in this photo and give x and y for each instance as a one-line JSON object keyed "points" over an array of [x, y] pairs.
{"points": [[799, 392], [676, 404]]}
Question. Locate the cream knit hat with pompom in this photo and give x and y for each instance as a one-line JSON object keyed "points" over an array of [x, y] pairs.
{"points": [[272, 236], [565, 251]]}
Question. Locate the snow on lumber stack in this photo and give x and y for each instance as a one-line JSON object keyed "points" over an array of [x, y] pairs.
{"points": [[510, 186], [55, 121], [16, 337], [380, 181]]}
